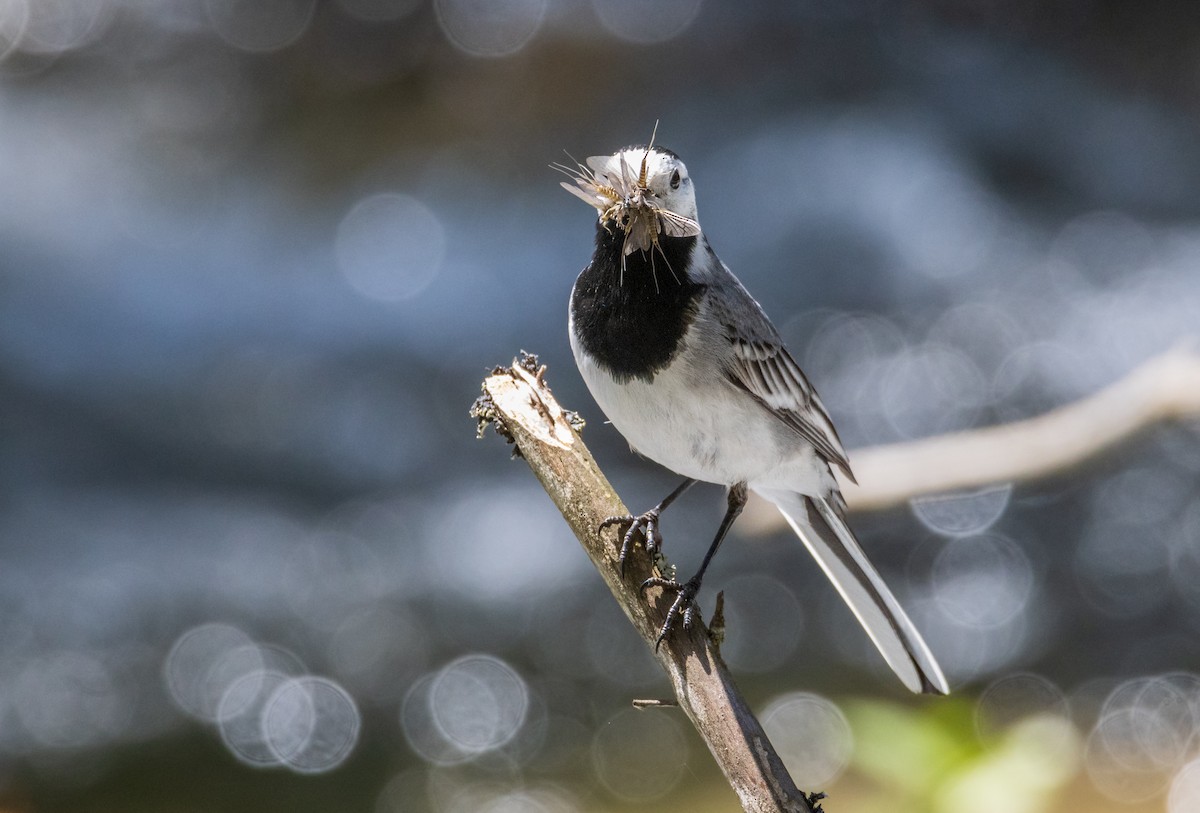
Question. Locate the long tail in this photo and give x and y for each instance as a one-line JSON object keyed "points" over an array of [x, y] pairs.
{"points": [[833, 545]]}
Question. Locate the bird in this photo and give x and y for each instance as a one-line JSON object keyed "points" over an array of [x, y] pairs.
{"points": [[687, 366]]}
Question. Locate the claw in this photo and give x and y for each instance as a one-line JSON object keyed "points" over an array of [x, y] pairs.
{"points": [[683, 606], [645, 524]]}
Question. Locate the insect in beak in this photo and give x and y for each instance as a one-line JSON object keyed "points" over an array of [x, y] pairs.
{"points": [[625, 201], [642, 184]]}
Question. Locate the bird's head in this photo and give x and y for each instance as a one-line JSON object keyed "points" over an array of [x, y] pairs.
{"points": [[655, 174], [643, 191]]}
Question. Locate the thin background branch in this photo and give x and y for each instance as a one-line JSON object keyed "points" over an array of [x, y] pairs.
{"points": [[1165, 388]]}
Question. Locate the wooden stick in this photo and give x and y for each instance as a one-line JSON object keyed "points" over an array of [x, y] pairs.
{"points": [[518, 402]]}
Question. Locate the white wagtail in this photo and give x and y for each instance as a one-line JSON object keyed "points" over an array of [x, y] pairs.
{"points": [[687, 366]]}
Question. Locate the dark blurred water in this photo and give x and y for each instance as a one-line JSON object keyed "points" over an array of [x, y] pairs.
{"points": [[257, 256]]}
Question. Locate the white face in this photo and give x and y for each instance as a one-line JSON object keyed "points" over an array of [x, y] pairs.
{"points": [[666, 177]]}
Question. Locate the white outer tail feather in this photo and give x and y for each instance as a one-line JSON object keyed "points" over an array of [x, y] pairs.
{"points": [[856, 580]]}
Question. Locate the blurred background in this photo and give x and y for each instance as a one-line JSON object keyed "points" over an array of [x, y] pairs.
{"points": [[257, 255]]}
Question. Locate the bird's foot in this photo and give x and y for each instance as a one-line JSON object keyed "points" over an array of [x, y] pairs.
{"points": [[644, 524], [683, 607]]}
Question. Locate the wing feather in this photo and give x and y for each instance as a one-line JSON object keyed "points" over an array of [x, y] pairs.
{"points": [[593, 199], [768, 372], [597, 163], [674, 225], [823, 530]]}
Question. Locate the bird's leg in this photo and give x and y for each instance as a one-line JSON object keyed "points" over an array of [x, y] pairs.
{"points": [[685, 594], [646, 524]]}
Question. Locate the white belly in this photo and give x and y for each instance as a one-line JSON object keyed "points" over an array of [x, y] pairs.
{"points": [[703, 427]]}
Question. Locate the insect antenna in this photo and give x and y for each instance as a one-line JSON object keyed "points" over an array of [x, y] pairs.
{"points": [[674, 276], [584, 169], [573, 174], [653, 272], [650, 146], [576, 161], [626, 176]]}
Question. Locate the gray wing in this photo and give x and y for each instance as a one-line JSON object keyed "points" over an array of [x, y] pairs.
{"points": [[762, 366], [768, 372]]}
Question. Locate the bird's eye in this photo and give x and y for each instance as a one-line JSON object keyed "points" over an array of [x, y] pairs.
{"points": [[675, 179]]}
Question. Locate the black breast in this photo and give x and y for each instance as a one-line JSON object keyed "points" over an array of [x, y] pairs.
{"points": [[633, 320]]}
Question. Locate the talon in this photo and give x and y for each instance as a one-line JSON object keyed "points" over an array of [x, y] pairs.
{"points": [[615, 521], [658, 581], [684, 605], [644, 524]]}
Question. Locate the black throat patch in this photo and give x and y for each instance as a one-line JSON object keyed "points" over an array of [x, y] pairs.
{"points": [[632, 321]]}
